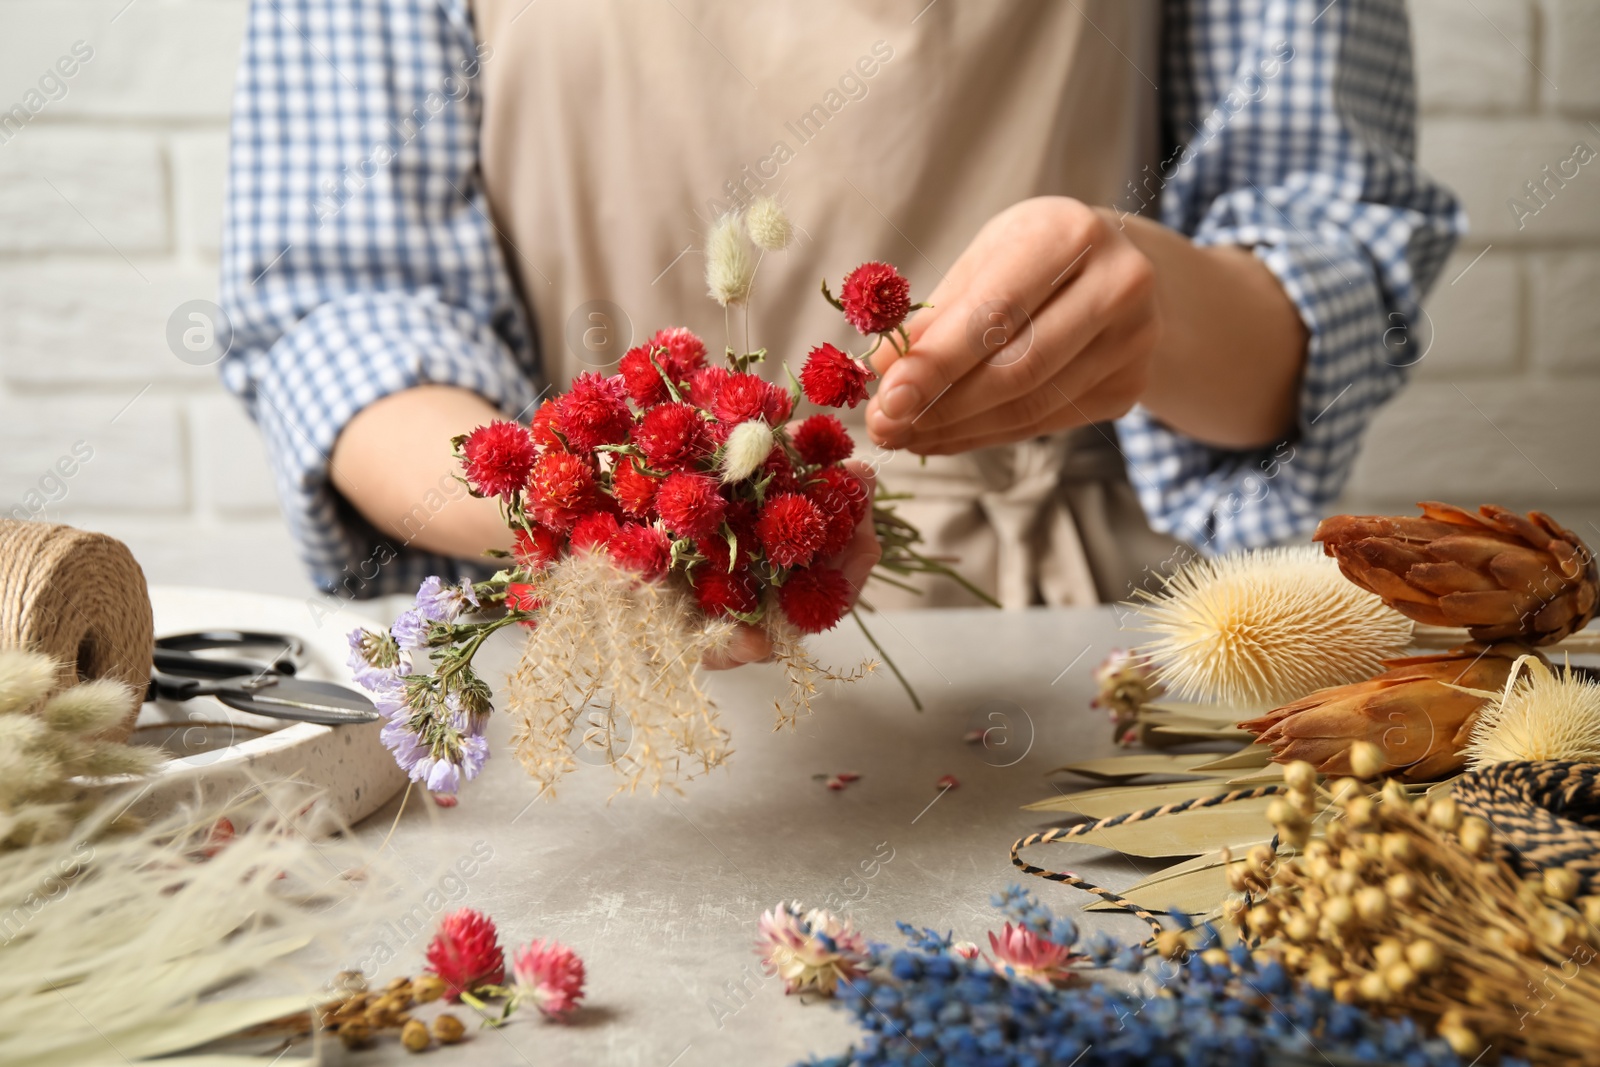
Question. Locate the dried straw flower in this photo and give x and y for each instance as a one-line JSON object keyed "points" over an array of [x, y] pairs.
{"points": [[769, 226], [729, 270], [1416, 715], [1501, 575], [1540, 715], [1262, 628]]}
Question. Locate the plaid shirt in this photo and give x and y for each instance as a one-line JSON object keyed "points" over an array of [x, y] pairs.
{"points": [[359, 259]]}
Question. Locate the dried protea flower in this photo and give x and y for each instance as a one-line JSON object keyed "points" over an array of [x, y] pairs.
{"points": [[1499, 574], [1540, 715], [769, 226], [1265, 627], [1415, 713], [729, 270]]}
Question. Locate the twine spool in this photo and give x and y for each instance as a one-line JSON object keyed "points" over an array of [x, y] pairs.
{"points": [[79, 597]]}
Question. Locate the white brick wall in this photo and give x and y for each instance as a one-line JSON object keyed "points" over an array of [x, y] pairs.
{"points": [[1503, 406], [110, 205]]}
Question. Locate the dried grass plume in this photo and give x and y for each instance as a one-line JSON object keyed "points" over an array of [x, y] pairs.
{"points": [[1260, 629], [1541, 715], [625, 654], [769, 226], [729, 269]]}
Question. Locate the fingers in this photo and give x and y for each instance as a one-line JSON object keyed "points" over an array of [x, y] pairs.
{"points": [[1058, 410], [1013, 266], [748, 645]]}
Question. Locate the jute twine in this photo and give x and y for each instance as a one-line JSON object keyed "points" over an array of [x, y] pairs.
{"points": [[79, 597], [1545, 813]]}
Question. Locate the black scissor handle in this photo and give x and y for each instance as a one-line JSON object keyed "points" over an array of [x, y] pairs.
{"points": [[289, 651]]}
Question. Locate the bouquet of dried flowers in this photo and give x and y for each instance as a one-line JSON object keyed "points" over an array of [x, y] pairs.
{"points": [[653, 510]]}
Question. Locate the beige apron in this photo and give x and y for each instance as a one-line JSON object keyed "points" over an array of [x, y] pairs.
{"points": [[615, 131]]}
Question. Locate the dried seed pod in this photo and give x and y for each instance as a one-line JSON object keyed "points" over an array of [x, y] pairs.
{"points": [[1366, 760], [1170, 944], [1399, 977], [1372, 904], [449, 1029], [1424, 957], [1374, 988], [1300, 776], [1339, 912], [427, 988], [355, 1034], [1444, 814], [414, 1036], [1388, 952], [1560, 883]]}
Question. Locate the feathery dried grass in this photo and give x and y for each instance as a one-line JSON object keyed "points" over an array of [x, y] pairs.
{"points": [[1263, 628], [627, 653], [46, 743], [126, 932], [729, 269]]}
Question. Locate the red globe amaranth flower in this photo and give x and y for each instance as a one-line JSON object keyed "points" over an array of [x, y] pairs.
{"points": [[823, 440], [741, 519], [643, 549], [498, 458], [777, 406], [791, 529], [679, 352], [721, 594], [465, 952], [594, 531], [522, 596], [778, 472], [832, 486], [594, 412], [672, 437], [644, 383], [815, 599], [742, 397], [543, 428], [634, 489], [832, 378], [537, 548], [876, 298], [705, 384], [690, 504], [562, 490]]}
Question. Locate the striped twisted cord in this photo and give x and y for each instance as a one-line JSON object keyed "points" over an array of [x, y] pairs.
{"points": [[1066, 833]]}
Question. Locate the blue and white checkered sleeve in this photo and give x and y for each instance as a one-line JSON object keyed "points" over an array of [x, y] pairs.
{"points": [[1291, 124], [358, 259]]}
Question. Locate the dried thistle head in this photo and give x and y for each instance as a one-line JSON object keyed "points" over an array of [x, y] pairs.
{"points": [[1263, 628], [729, 269], [1540, 715], [769, 226]]}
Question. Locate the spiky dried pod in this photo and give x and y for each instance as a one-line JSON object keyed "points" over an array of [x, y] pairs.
{"points": [[1541, 714], [1499, 574], [1266, 627]]}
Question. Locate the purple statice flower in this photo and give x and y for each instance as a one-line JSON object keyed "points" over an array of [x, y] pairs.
{"points": [[438, 602], [449, 749], [375, 659], [407, 747], [410, 630]]}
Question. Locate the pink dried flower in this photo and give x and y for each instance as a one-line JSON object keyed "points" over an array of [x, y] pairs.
{"points": [[1031, 957], [548, 975], [812, 950]]}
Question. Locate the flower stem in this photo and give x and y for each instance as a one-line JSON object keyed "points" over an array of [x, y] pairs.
{"points": [[887, 659]]}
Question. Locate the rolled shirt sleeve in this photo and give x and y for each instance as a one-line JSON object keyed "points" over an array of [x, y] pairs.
{"points": [[1292, 131], [358, 256]]}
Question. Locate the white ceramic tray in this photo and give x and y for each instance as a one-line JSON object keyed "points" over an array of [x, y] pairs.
{"points": [[219, 752]]}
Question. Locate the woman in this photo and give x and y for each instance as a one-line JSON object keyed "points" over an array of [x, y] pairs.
{"points": [[1163, 242]]}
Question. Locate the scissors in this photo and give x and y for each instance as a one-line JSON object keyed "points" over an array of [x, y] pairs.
{"points": [[262, 687]]}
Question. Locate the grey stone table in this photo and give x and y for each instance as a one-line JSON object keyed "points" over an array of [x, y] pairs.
{"points": [[660, 895]]}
